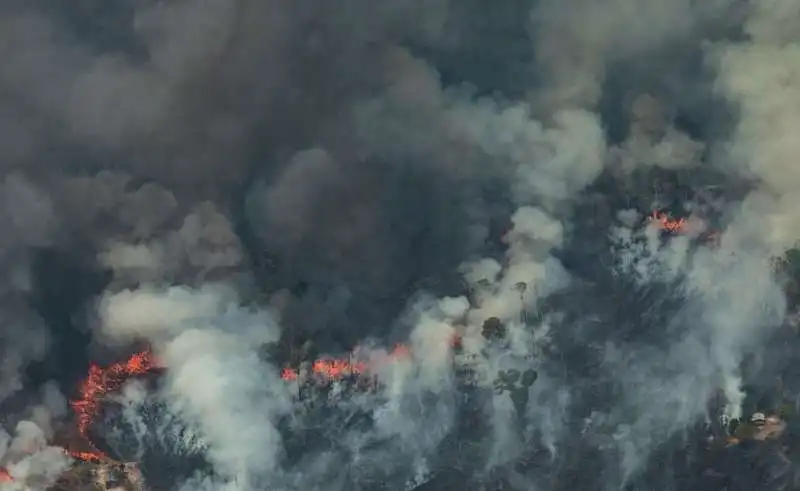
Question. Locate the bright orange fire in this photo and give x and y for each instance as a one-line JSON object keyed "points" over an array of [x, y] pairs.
{"points": [[88, 456], [329, 369], [665, 222], [682, 225], [99, 382], [334, 369]]}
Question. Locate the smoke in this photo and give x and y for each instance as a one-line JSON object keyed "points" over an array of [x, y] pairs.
{"points": [[205, 341], [25, 454], [30, 461], [757, 76], [256, 179], [577, 42], [760, 149], [735, 299], [28, 221]]}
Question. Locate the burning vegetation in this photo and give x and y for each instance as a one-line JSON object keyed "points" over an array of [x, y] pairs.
{"points": [[692, 226], [363, 371], [93, 467], [330, 369], [333, 369], [103, 476], [665, 222], [102, 381]]}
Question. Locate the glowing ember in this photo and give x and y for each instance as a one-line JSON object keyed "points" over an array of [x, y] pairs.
{"points": [[685, 226], [335, 369], [96, 457], [329, 369], [664, 222], [101, 381], [289, 374], [98, 383]]}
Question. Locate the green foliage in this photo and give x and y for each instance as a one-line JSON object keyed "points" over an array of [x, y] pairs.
{"points": [[493, 328], [793, 258], [510, 380], [529, 377], [790, 263], [785, 410], [745, 431]]}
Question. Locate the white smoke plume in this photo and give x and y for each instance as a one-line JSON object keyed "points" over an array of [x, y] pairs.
{"points": [[26, 454], [28, 221], [756, 76], [205, 341], [245, 179], [736, 300]]}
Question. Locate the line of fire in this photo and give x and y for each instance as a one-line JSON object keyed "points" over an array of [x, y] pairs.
{"points": [[359, 372]]}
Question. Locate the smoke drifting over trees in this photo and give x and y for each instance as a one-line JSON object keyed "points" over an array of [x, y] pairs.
{"points": [[242, 185]]}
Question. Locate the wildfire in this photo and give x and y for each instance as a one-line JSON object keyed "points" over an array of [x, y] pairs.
{"points": [[329, 369], [683, 226], [665, 222], [336, 369], [95, 457], [99, 382]]}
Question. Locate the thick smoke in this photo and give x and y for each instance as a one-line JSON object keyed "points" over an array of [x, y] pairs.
{"points": [[26, 453], [28, 223], [254, 179], [204, 340]]}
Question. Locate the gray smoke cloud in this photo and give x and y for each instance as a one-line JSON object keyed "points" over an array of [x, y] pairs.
{"points": [[27, 453], [259, 176], [29, 221]]}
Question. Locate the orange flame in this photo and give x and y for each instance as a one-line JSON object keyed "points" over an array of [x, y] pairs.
{"points": [[330, 369], [336, 369], [682, 225], [99, 382], [664, 222], [95, 457], [289, 374]]}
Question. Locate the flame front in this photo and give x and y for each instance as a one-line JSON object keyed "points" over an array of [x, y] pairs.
{"points": [[330, 369], [665, 222], [96, 456], [99, 382]]}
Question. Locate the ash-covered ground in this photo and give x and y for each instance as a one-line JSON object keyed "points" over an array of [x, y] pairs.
{"points": [[248, 185]]}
